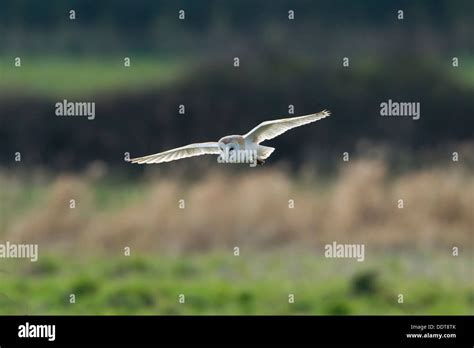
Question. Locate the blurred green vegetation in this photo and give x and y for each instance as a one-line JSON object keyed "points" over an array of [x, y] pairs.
{"points": [[466, 75], [89, 76], [69, 76], [253, 283]]}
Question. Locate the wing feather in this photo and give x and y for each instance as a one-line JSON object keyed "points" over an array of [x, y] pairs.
{"points": [[271, 129], [198, 149]]}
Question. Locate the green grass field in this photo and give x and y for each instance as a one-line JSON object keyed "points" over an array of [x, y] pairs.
{"points": [[53, 76], [221, 283], [71, 76]]}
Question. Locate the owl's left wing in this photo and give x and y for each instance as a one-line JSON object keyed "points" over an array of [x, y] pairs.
{"points": [[271, 129]]}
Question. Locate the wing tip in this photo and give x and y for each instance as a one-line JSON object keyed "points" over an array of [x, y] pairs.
{"points": [[326, 113], [137, 160]]}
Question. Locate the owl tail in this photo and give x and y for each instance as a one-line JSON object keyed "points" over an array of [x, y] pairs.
{"points": [[263, 152]]}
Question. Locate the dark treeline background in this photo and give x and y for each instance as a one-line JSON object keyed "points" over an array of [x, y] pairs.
{"points": [[282, 62], [153, 25]]}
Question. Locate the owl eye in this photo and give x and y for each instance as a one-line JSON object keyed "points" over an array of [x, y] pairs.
{"points": [[231, 148]]}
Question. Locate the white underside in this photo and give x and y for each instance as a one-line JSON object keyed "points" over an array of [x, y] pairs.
{"points": [[263, 152]]}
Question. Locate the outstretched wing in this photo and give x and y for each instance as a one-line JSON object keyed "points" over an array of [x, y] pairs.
{"points": [[191, 150], [271, 129]]}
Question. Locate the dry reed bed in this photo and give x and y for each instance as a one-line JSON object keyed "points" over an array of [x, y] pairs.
{"points": [[252, 209]]}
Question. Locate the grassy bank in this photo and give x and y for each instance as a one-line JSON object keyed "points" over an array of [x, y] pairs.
{"points": [[252, 283]]}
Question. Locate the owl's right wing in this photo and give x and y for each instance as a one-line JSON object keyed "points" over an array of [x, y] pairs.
{"points": [[191, 150]]}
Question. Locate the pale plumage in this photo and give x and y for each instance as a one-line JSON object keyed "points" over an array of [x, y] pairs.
{"points": [[264, 131], [190, 150]]}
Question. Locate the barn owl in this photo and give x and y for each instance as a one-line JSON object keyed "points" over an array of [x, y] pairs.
{"points": [[249, 143]]}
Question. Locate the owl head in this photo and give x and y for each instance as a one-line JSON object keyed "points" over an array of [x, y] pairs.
{"points": [[230, 143]]}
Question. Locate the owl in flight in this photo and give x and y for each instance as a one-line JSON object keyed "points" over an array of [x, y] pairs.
{"points": [[249, 142]]}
